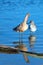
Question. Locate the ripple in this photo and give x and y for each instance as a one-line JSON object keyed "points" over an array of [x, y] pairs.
{"points": [[9, 5]]}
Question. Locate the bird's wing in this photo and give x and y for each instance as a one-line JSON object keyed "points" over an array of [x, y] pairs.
{"points": [[26, 18], [20, 26], [16, 28]]}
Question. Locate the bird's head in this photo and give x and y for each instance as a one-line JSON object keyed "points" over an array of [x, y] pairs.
{"points": [[31, 22]]}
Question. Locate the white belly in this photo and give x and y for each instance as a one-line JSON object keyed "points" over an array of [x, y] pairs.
{"points": [[33, 28]]}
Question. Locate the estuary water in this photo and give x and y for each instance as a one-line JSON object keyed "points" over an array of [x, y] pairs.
{"points": [[12, 13]]}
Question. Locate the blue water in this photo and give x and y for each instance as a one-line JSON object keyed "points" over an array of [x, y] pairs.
{"points": [[12, 13]]}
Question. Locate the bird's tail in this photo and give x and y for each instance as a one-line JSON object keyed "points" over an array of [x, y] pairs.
{"points": [[26, 18]]}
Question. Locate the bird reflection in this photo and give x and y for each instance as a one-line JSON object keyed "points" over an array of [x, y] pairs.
{"points": [[22, 47], [13, 50], [32, 40], [8, 50]]}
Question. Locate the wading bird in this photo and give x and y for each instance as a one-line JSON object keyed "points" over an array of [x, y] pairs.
{"points": [[32, 26], [23, 26]]}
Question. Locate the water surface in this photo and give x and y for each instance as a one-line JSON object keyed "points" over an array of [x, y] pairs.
{"points": [[12, 13]]}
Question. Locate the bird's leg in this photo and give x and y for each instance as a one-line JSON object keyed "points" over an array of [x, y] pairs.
{"points": [[19, 37], [30, 33]]}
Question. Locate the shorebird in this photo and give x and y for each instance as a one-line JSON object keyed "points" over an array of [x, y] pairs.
{"points": [[23, 26], [32, 26]]}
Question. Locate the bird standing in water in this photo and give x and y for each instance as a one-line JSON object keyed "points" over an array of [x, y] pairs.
{"points": [[23, 26], [32, 26]]}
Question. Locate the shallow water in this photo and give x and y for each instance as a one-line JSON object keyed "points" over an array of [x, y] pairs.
{"points": [[12, 13]]}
